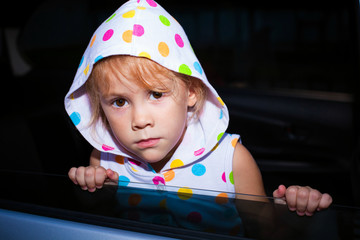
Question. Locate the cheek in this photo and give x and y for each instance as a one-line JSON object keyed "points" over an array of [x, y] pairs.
{"points": [[117, 122], [174, 116]]}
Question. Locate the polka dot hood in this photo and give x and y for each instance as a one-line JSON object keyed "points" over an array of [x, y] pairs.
{"points": [[144, 29]]}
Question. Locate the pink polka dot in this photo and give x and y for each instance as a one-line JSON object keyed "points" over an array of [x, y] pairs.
{"points": [[157, 180], [108, 34], [134, 162], [151, 3], [179, 40], [199, 152], [223, 177], [107, 148], [138, 30]]}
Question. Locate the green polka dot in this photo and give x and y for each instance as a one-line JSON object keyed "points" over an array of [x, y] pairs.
{"points": [[112, 16], [164, 20], [231, 177], [184, 69], [220, 136]]}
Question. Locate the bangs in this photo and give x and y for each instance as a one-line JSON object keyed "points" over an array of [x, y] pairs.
{"points": [[143, 72]]}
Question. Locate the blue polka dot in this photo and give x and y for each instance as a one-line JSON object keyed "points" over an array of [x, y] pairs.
{"points": [[221, 114], [123, 181], [198, 169], [75, 118], [81, 61], [98, 58], [198, 67], [151, 168]]}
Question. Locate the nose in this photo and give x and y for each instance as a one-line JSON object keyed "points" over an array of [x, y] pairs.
{"points": [[141, 118]]}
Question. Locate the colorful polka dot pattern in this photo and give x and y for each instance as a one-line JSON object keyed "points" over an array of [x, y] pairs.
{"points": [[143, 28], [180, 185], [184, 209], [179, 174]]}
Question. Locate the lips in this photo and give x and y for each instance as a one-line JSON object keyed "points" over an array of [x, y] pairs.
{"points": [[147, 143]]}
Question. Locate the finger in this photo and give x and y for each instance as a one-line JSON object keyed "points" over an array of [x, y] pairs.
{"points": [[325, 201], [100, 176], [313, 202], [302, 199], [90, 178], [290, 196], [72, 175], [80, 178]]}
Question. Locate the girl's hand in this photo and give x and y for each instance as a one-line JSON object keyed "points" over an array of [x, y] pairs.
{"points": [[303, 200], [91, 178]]}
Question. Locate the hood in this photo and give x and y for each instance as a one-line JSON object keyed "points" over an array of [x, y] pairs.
{"points": [[144, 29]]}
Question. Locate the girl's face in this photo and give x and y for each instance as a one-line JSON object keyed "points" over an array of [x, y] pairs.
{"points": [[147, 123]]}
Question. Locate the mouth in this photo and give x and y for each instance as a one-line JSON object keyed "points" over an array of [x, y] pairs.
{"points": [[147, 143]]}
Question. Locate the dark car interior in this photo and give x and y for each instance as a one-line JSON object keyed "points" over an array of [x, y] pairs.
{"points": [[288, 72]]}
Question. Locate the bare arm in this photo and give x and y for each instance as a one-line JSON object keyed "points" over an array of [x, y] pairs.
{"points": [[247, 176], [95, 158]]}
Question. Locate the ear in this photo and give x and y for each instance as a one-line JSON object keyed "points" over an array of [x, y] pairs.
{"points": [[192, 98]]}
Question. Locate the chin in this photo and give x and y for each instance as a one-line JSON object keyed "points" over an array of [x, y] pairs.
{"points": [[152, 157]]}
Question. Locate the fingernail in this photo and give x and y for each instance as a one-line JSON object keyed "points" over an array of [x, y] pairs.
{"points": [[91, 189], [300, 213], [292, 209], [308, 214], [84, 188]]}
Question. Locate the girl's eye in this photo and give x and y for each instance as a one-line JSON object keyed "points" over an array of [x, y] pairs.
{"points": [[119, 103], [156, 95]]}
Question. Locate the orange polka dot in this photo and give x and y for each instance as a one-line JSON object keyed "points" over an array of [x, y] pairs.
{"points": [[127, 36], [234, 142], [162, 203], [134, 199], [163, 49], [92, 40], [222, 198], [119, 159], [169, 175]]}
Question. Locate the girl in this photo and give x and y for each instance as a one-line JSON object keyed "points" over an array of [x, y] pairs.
{"points": [[141, 98]]}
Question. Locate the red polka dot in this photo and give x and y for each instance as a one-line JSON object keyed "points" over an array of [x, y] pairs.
{"points": [[194, 217]]}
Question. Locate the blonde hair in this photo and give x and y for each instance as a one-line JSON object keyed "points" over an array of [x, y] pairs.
{"points": [[142, 70]]}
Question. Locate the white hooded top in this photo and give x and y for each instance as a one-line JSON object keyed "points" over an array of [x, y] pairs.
{"points": [[203, 160], [145, 29]]}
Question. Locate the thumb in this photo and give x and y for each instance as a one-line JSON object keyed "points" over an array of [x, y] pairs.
{"points": [[279, 194], [112, 176]]}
